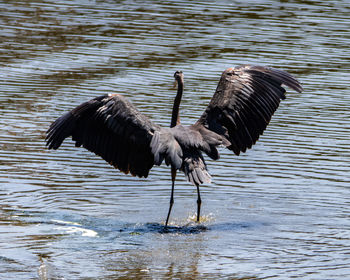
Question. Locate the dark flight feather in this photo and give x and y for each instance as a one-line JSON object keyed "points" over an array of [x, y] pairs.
{"points": [[111, 127], [244, 102]]}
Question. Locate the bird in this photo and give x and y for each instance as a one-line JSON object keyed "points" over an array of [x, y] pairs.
{"points": [[110, 126]]}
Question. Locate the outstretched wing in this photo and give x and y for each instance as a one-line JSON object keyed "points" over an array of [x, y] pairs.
{"points": [[111, 127], [244, 102]]}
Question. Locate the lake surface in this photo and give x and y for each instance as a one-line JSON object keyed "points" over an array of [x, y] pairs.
{"points": [[279, 211]]}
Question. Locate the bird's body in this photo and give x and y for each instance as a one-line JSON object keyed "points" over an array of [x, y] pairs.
{"points": [[111, 127]]}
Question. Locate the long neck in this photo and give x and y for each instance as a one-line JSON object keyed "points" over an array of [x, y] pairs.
{"points": [[175, 117]]}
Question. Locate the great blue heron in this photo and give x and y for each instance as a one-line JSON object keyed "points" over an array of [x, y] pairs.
{"points": [[240, 110]]}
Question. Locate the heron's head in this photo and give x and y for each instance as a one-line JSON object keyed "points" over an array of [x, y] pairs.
{"points": [[179, 77]]}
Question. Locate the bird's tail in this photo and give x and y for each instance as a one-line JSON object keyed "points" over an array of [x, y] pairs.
{"points": [[195, 168]]}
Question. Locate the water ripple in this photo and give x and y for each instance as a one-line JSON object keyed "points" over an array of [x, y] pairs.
{"points": [[278, 211]]}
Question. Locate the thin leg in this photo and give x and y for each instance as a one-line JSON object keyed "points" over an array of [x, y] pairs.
{"points": [[173, 177], [199, 202], [171, 203]]}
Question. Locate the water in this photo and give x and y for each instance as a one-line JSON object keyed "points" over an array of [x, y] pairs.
{"points": [[279, 211]]}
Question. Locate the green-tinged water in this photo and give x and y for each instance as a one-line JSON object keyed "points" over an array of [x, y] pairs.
{"points": [[279, 211]]}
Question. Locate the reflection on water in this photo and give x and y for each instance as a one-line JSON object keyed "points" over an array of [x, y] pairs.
{"points": [[279, 211]]}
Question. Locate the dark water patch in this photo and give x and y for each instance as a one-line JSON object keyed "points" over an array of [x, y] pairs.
{"points": [[161, 228]]}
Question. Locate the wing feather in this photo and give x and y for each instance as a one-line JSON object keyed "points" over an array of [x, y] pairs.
{"points": [[244, 102], [111, 127]]}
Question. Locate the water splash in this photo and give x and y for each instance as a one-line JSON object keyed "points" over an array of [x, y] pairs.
{"points": [[74, 228]]}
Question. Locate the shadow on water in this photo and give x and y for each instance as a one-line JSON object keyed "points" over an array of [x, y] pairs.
{"points": [[161, 228], [192, 227]]}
